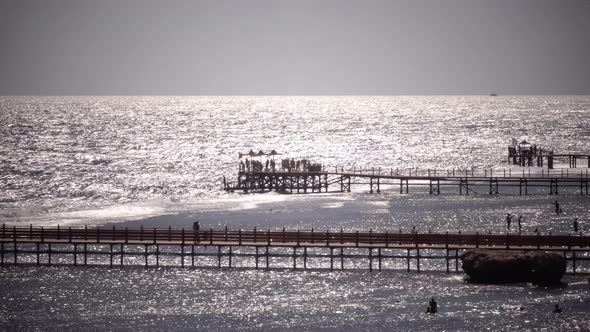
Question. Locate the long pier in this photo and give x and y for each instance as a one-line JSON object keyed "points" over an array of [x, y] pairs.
{"points": [[264, 249], [463, 182]]}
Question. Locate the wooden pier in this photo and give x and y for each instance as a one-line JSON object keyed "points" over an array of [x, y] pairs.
{"points": [[462, 182], [264, 249], [525, 154]]}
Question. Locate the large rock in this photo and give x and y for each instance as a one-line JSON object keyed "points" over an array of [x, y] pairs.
{"points": [[509, 266]]}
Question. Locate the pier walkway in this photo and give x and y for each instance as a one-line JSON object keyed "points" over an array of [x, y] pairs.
{"points": [[75, 246], [463, 181]]}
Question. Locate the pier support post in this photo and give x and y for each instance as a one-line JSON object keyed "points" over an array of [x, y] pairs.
{"points": [[331, 259], [192, 255], [417, 258], [493, 186], [230, 256], [574, 261], [157, 255]]}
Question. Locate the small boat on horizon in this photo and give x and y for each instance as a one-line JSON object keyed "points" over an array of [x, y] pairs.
{"points": [[493, 95]]}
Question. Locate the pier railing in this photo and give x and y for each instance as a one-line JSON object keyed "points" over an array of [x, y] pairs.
{"points": [[446, 173], [462, 173], [211, 247], [334, 238]]}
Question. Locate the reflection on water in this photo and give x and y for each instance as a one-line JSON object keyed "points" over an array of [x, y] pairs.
{"points": [[62, 154], [181, 299], [96, 160]]}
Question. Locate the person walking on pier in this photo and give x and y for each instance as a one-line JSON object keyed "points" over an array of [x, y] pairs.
{"points": [[576, 225], [557, 208], [519, 223], [508, 220]]}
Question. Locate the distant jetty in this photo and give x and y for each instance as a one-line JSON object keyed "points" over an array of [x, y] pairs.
{"points": [[260, 173]]}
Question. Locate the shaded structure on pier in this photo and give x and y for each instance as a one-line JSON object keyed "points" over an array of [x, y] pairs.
{"points": [[298, 249]]}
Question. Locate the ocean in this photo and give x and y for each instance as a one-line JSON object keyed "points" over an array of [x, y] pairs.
{"points": [[159, 161]]}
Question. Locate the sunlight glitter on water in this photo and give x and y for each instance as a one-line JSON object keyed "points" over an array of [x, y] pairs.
{"points": [[76, 153]]}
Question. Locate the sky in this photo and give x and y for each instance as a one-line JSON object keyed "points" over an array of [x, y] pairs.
{"points": [[303, 47]]}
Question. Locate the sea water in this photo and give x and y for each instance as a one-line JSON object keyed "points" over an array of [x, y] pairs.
{"points": [[159, 162]]}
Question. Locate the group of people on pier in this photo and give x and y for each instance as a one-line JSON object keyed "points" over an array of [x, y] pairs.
{"points": [[257, 166], [302, 165], [523, 154], [287, 165], [526, 149]]}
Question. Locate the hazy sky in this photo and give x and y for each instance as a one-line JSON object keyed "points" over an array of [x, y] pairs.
{"points": [[298, 47]]}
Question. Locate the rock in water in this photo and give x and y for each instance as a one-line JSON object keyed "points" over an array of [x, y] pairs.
{"points": [[510, 266]]}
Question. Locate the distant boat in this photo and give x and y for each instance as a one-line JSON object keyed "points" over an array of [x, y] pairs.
{"points": [[493, 94]]}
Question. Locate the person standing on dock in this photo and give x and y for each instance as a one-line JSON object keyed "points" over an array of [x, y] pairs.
{"points": [[519, 223], [508, 220], [557, 208], [576, 225]]}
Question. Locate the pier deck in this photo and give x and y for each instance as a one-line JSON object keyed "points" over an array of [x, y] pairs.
{"points": [[463, 181], [29, 245]]}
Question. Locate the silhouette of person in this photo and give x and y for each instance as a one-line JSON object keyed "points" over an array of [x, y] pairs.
{"points": [[576, 225], [432, 306], [520, 223], [508, 220], [557, 309], [557, 209]]}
